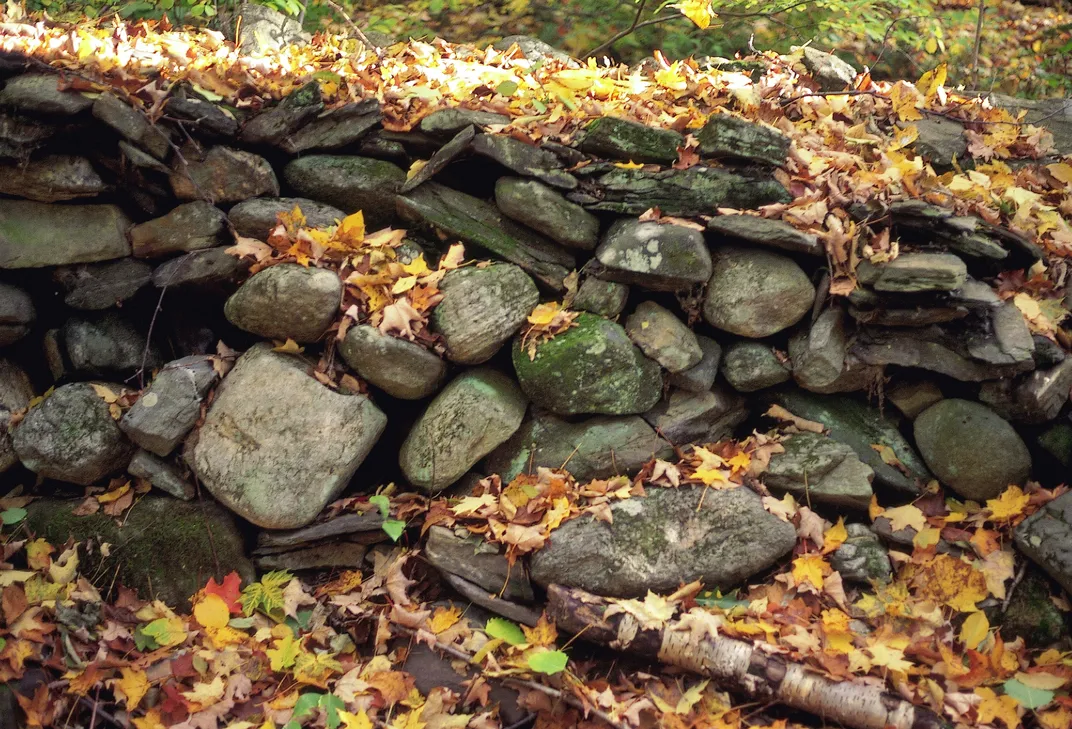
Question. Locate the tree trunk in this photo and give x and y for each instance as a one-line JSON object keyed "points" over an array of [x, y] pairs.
{"points": [[737, 666]]}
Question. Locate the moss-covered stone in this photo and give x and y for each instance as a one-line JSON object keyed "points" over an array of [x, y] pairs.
{"points": [[730, 137], [348, 183], [591, 368], [165, 548], [695, 191], [1031, 614], [628, 140]]}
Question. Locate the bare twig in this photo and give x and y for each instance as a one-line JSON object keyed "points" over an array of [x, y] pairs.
{"points": [[978, 42], [1012, 588], [353, 27], [636, 26]]}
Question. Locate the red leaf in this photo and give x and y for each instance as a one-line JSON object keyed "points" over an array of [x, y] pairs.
{"points": [[229, 590]]}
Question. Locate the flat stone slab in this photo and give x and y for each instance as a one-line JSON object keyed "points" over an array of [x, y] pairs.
{"points": [[1046, 537], [818, 468], [35, 235]]}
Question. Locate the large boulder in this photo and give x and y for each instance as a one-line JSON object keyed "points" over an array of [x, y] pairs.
{"points": [[473, 414], [971, 449], [591, 368], [72, 436], [664, 539], [276, 445], [34, 235], [224, 175], [598, 447], [189, 227], [401, 368], [287, 301], [481, 309], [756, 293], [655, 256], [349, 184], [165, 549]]}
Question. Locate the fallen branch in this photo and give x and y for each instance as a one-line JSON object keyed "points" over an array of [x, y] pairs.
{"points": [[738, 666]]}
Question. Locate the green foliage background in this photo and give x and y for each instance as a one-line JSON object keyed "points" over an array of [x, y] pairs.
{"points": [[1026, 50]]}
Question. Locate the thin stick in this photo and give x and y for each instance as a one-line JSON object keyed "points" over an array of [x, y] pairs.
{"points": [[608, 44], [353, 28], [978, 42]]}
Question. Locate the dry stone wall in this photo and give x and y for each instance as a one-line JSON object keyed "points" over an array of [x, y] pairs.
{"points": [[121, 274]]}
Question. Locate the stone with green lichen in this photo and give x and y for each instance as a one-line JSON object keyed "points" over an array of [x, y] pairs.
{"points": [[755, 293], [750, 366], [663, 337], [288, 301], [654, 256], [817, 468], [684, 193], [630, 141], [274, 125], [859, 426], [448, 122], [34, 235], [1031, 614], [914, 272], [598, 447], [727, 136], [664, 539], [524, 159], [472, 416], [591, 368], [536, 205], [475, 222], [165, 549], [349, 183], [605, 298]]}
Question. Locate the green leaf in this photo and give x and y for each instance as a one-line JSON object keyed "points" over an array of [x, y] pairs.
{"points": [[12, 516], [1030, 698], [266, 595], [331, 705], [144, 642], [394, 528], [724, 602], [240, 623], [383, 503], [3, 642], [549, 662], [305, 705], [507, 88], [504, 630]]}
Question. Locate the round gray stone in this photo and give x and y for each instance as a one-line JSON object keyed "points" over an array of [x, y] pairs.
{"points": [[971, 449], [663, 337], [749, 366], [401, 368], [287, 301], [17, 314], [348, 183], [755, 293], [257, 218]]}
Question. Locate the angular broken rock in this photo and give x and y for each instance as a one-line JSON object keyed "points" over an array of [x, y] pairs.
{"points": [[448, 122], [1033, 398], [72, 437], [1046, 537], [481, 309], [862, 557], [605, 298], [684, 417], [401, 368], [822, 470], [729, 137], [971, 449], [591, 368], [51, 179], [95, 286], [189, 227], [335, 129], [664, 539], [170, 406], [473, 414], [133, 124], [276, 445], [654, 256], [161, 474], [477, 561], [818, 354], [755, 293], [287, 301], [832, 73], [224, 175], [598, 447], [524, 159], [766, 232], [663, 337], [911, 273]]}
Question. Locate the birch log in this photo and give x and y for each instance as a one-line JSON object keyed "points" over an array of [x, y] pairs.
{"points": [[737, 666]]}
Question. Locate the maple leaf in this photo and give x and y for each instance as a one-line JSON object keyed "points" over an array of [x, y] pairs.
{"points": [[1003, 708], [314, 668], [399, 318], [443, 619], [205, 693], [1009, 505], [888, 656], [229, 591], [266, 595], [809, 569], [835, 536], [359, 720], [211, 611], [131, 686], [698, 11], [905, 516], [951, 581], [285, 652], [652, 613]]}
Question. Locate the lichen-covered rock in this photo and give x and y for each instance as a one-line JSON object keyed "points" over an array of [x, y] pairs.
{"points": [[591, 368], [912, 273], [832, 73], [1034, 398], [107, 345], [170, 406], [630, 141], [51, 179], [862, 557], [822, 470], [605, 298], [536, 205], [475, 560], [287, 301], [525, 159], [663, 337], [224, 175], [765, 232], [971, 449], [476, 222], [34, 235], [598, 447], [448, 122], [701, 376], [262, 28], [750, 366], [95, 286], [15, 394], [72, 437], [481, 309], [39, 93], [729, 137], [401, 368], [189, 227], [941, 142], [165, 549], [860, 427], [257, 218], [664, 539], [755, 293], [1031, 614], [335, 129], [684, 417], [654, 255], [472, 416], [17, 314], [276, 445], [1046, 537]]}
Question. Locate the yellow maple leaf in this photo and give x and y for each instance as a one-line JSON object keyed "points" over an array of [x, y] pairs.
{"points": [[992, 706], [810, 568], [888, 656], [974, 630], [1057, 719], [1062, 171], [932, 80], [151, 720], [698, 11], [905, 100], [560, 509], [652, 613], [359, 720], [713, 477], [926, 537], [443, 619], [416, 267], [543, 634], [544, 314], [212, 612], [288, 347], [630, 165], [905, 516], [205, 693], [1009, 505], [835, 536], [351, 231], [740, 462], [131, 686], [951, 581]]}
